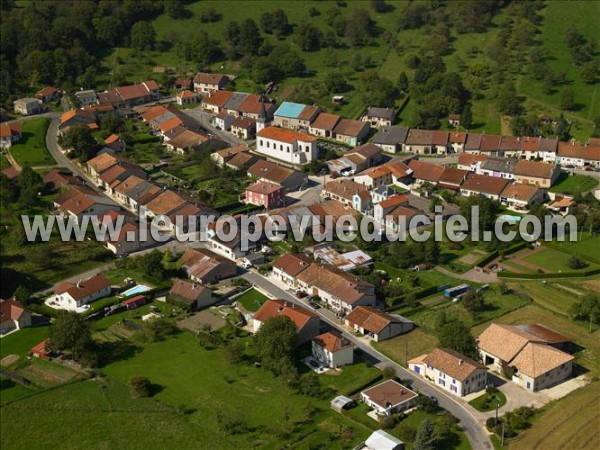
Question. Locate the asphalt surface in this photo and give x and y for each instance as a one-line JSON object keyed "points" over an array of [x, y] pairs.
{"points": [[476, 434]]}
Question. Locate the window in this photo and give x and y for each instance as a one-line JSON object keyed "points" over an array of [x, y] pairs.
{"points": [[262, 143]]}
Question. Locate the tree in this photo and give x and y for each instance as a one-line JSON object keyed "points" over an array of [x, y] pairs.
{"points": [[250, 39], [210, 15], [588, 308], [110, 30], [378, 90], [589, 72], [456, 335], [157, 329], [335, 82], [425, 437], [143, 36], [234, 352], [473, 301], [29, 184], [275, 22], [466, 117], [402, 82], [22, 294], [70, 332], [275, 342], [567, 99], [81, 140], [379, 6], [508, 101], [308, 37], [575, 262], [140, 387]]}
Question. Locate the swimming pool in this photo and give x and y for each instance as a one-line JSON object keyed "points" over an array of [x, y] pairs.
{"points": [[509, 218], [138, 289]]}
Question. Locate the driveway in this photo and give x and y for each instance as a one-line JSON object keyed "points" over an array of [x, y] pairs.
{"points": [[476, 433]]}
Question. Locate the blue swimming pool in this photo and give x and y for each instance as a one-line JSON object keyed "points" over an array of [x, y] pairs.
{"points": [[138, 289], [510, 218]]}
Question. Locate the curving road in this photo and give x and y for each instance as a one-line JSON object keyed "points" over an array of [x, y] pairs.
{"points": [[477, 435]]}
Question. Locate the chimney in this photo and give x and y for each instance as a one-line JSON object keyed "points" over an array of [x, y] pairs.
{"points": [[460, 362], [79, 283]]}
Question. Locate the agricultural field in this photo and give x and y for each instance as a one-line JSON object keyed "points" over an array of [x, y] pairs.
{"points": [[571, 422], [31, 148], [557, 297]]}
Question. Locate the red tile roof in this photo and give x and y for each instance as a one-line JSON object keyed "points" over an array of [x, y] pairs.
{"points": [[83, 288], [332, 342], [325, 121], [426, 171], [272, 308], [289, 136], [484, 184], [264, 187], [217, 98], [347, 127]]}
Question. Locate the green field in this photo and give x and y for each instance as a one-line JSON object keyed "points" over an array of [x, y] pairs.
{"points": [[413, 344], [585, 247], [574, 184], [496, 305], [571, 422], [550, 296], [20, 343], [31, 148], [468, 52], [553, 260], [252, 300]]}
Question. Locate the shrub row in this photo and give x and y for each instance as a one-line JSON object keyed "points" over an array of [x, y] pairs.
{"points": [[489, 258], [540, 276]]}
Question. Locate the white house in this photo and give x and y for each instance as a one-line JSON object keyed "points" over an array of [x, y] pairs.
{"points": [[388, 398], [333, 350], [307, 322], [286, 145], [28, 106], [451, 371], [9, 132], [74, 295], [530, 354], [209, 82], [380, 440]]}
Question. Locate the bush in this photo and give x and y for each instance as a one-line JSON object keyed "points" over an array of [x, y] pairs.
{"points": [[575, 263], [388, 422], [140, 387]]}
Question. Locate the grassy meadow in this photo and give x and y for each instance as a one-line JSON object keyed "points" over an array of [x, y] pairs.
{"points": [[31, 148]]}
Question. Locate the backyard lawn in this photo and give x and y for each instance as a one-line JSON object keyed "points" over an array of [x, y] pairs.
{"points": [[551, 296], [252, 300], [586, 246], [31, 148], [20, 343], [574, 184]]}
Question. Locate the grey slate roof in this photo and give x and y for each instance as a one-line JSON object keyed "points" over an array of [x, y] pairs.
{"points": [[390, 135], [504, 165]]}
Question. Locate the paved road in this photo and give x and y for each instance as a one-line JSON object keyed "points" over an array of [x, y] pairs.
{"points": [[470, 423]]}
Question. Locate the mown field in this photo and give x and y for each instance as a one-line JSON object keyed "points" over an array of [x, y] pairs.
{"points": [[31, 148], [571, 422], [574, 184]]}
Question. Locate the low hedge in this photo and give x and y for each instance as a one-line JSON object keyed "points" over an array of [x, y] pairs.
{"points": [[426, 292], [541, 276], [489, 258]]}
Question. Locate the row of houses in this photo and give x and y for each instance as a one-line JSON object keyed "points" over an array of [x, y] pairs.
{"points": [[394, 139], [178, 131], [518, 184]]}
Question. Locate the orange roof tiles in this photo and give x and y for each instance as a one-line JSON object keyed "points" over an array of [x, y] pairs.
{"points": [[289, 136]]}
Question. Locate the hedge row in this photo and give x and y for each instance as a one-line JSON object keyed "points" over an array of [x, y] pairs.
{"points": [[489, 258], [426, 292], [541, 276]]}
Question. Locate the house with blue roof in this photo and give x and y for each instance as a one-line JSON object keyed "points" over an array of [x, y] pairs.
{"points": [[295, 116]]}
